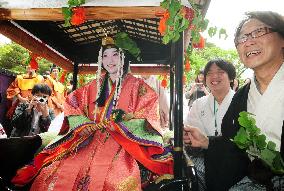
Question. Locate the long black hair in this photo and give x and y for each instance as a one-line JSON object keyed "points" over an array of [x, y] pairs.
{"points": [[102, 95]]}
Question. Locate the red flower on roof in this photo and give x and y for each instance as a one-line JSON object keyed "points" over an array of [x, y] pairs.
{"points": [[78, 16], [189, 13], [164, 82], [163, 23], [200, 44], [187, 65]]}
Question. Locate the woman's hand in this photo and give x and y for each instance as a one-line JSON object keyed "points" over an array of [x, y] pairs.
{"points": [[194, 137]]}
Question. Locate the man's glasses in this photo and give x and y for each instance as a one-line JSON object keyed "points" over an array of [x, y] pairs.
{"points": [[254, 34]]}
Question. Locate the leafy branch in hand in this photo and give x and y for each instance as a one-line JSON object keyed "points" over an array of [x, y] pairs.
{"points": [[249, 137]]}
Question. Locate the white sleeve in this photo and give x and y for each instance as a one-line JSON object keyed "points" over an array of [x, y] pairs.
{"points": [[192, 118]]}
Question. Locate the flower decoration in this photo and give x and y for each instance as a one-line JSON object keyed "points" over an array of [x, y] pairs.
{"points": [[78, 16], [184, 79], [187, 65], [173, 21], [164, 82], [162, 25], [200, 44], [178, 18], [73, 14]]}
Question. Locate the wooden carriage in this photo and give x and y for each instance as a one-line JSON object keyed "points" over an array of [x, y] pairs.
{"points": [[39, 27]]}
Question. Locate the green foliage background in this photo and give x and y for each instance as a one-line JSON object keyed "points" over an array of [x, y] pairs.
{"points": [[13, 58], [200, 57]]}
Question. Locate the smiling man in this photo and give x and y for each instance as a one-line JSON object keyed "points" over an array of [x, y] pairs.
{"points": [[208, 111], [259, 40]]}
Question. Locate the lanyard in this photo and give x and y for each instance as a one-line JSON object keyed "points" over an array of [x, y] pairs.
{"points": [[215, 117]]}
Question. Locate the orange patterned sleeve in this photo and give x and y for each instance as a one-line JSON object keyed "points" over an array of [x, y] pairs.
{"points": [[13, 89]]}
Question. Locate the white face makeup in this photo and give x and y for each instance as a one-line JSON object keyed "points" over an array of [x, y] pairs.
{"points": [[110, 60]]}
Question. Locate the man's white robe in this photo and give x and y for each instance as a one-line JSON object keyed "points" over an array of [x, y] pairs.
{"points": [[202, 114]]}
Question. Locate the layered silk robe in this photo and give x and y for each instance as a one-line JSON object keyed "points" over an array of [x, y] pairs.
{"points": [[108, 159]]}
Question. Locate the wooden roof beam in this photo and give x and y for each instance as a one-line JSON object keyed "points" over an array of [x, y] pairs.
{"points": [[22, 38], [92, 13]]}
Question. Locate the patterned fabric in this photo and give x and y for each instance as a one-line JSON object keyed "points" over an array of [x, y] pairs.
{"points": [[197, 156], [113, 150], [200, 168], [247, 185]]}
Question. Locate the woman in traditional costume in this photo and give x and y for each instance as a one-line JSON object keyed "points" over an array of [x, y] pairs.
{"points": [[97, 149]]}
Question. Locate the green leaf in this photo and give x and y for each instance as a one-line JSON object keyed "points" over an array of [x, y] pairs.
{"points": [[244, 121], [166, 39], [174, 7], [81, 2], [195, 36], [176, 37], [67, 13], [212, 31], [260, 142], [123, 41], [165, 4], [267, 156], [241, 139], [72, 3], [177, 24], [222, 31], [278, 164], [271, 145], [184, 25], [205, 24]]}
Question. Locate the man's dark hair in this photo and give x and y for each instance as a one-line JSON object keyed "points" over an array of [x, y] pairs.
{"points": [[272, 19], [228, 67], [41, 88], [54, 67]]}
